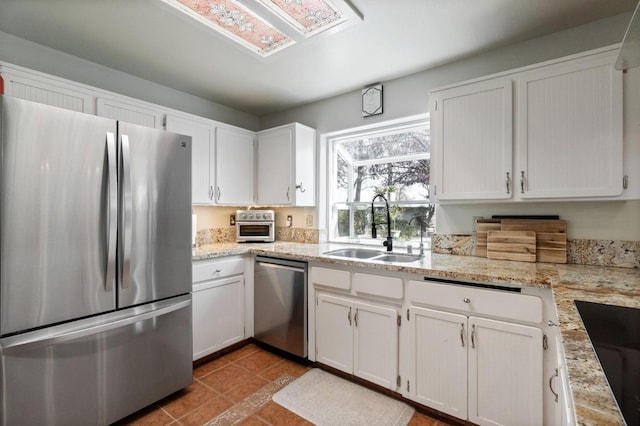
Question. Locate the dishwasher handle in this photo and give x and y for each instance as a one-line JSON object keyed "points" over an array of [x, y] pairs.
{"points": [[278, 266]]}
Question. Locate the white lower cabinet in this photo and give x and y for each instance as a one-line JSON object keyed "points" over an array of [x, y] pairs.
{"points": [[218, 305], [485, 370], [358, 337]]}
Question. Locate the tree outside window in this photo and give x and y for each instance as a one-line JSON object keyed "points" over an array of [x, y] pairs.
{"points": [[394, 162]]}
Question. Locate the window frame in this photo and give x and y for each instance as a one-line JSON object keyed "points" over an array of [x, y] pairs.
{"points": [[330, 152]]}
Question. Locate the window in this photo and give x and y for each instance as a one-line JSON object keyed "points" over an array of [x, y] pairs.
{"points": [[391, 160]]}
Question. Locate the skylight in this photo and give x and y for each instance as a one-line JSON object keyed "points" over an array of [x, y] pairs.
{"points": [[269, 26]]}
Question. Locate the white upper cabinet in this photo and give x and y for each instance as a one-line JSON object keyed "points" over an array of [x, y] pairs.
{"points": [[472, 129], [553, 131], [202, 156], [570, 130], [129, 112], [234, 166], [35, 87], [286, 166]]}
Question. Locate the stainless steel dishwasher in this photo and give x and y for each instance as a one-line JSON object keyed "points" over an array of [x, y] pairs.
{"points": [[280, 304]]}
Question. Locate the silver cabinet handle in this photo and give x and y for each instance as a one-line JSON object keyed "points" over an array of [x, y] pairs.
{"points": [[473, 336], [555, 395], [522, 182], [288, 190], [127, 211], [218, 197], [462, 333], [466, 300], [211, 192], [112, 212], [508, 183], [349, 316], [300, 187], [355, 318]]}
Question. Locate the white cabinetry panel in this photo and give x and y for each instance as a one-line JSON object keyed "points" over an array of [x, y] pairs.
{"points": [[46, 92], [218, 315], [473, 140], [234, 166], [505, 373], [334, 335], [202, 157], [376, 344], [135, 114], [570, 131], [438, 360]]}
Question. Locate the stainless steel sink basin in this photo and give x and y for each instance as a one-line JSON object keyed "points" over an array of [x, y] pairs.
{"points": [[354, 253], [401, 258], [368, 254]]}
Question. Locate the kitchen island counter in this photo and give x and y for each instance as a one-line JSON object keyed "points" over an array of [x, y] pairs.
{"points": [[592, 399]]}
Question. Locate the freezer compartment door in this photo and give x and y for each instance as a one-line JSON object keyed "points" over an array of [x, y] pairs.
{"points": [[155, 214], [94, 372], [58, 215]]}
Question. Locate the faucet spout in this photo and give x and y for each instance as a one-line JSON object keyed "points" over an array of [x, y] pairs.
{"points": [[374, 233]]}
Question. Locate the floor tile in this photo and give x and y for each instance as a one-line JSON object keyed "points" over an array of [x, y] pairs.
{"points": [[236, 389], [226, 378], [278, 415], [187, 400], [259, 361], [206, 412]]}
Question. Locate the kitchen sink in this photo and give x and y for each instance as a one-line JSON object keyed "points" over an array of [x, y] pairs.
{"points": [[354, 253], [401, 258], [368, 254]]}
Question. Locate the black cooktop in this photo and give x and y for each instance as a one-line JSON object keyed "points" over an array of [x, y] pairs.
{"points": [[615, 335]]}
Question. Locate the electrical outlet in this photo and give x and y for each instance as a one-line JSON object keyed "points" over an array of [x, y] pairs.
{"points": [[289, 220], [309, 220], [232, 219]]}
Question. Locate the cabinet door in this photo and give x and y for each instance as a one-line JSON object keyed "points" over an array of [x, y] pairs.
{"points": [[304, 182], [275, 167], [202, 159], [438, 360], [234, 167], [472, 131], [505, 373], [46, 91], [135, 114], [334, 332], [376, 344], [570, 131], [218, 315]]}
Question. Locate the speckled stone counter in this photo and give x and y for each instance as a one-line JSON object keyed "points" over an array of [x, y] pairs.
{"points": [[592, 398]]}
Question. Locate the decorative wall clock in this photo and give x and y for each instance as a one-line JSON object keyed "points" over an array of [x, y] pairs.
{"points": [[372, 100]]}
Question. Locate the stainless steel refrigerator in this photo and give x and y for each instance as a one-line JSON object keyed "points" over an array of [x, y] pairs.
{"points": [[95, 266]]}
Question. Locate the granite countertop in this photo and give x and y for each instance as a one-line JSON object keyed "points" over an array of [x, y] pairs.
{"points": [[592, 399]]}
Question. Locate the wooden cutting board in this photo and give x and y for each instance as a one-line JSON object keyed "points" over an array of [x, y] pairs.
{"points": [[482, 227], [551, 237], [512, 245]]}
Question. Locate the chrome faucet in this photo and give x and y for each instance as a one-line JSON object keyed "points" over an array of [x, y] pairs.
{"points": [[374, 233], [421, 222]]}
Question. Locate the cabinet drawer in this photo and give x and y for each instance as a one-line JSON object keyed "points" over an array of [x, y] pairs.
{"points": [[330, 278], [209, 270], [477, 301], [378, 285]]}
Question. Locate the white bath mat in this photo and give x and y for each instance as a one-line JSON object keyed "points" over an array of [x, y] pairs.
{"points": [[327, 400]]}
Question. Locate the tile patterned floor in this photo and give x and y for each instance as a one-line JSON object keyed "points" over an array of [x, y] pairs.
{"points": [[235, 389]]}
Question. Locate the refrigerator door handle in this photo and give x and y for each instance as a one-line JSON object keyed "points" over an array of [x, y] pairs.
{"points": [[112, 211], [127, 207], [22, 344]]}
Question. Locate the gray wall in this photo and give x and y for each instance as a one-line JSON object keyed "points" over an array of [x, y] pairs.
{"points": [[615, 220], [36, 57]]}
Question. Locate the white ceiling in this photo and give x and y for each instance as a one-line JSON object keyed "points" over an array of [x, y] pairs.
{"points": [[148, 39]]}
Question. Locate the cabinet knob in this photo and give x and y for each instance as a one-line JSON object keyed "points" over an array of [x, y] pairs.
{"points": [[217, 271], [466, 300]]}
